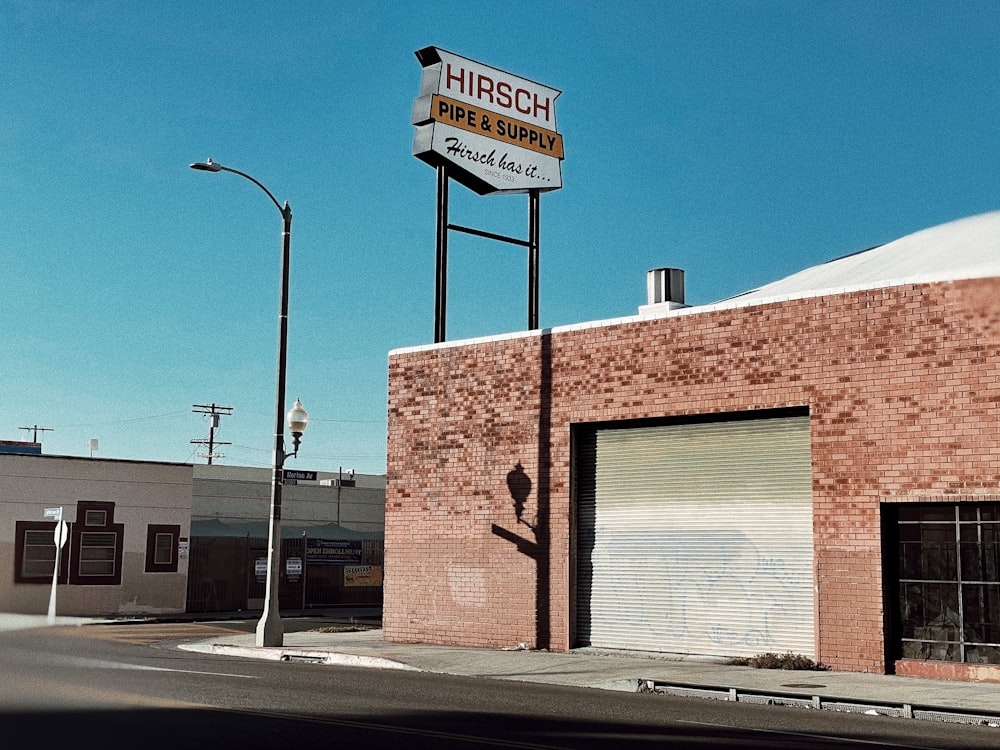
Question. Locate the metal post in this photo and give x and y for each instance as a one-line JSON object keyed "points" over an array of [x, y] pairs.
{"points": [[534, 205], [270, 631], [305, 568], [59, 538], [441, 265]]}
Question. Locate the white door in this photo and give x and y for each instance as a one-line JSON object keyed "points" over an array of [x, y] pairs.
{"points": [[697, 538]]}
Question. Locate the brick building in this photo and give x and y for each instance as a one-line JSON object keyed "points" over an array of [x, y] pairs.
{"points": [[813, 466]]}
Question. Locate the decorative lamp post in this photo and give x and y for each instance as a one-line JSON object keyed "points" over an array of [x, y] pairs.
{"points": [[270, 631]]}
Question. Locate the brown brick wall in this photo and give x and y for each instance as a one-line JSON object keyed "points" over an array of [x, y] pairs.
{"points": [[902, 384]]}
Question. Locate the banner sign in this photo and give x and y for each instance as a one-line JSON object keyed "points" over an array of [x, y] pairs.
{"points": [[362, 575], [496, 130], [333, 551]]}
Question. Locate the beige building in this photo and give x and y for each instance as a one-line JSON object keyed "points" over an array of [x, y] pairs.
{"points": [[128, 531], [148, 537], [240, 497]]}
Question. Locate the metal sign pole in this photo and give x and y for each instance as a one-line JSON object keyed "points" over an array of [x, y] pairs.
{"points": [[59, 537], [441, 265], [534, 201]]}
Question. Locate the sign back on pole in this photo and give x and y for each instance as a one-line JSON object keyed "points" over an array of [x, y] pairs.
{"points": [[495, 131]]}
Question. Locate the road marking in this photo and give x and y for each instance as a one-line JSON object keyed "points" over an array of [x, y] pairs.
{"points": [[77, 661]]}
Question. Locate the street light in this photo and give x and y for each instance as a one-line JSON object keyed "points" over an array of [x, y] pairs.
{"points": [[270, 631]]}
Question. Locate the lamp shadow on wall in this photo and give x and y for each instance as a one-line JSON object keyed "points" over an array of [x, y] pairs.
{"points": [[519, 485]]}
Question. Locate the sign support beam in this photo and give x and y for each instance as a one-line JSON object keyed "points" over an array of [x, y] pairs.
{"points": [[534, 223], [441, 264]]}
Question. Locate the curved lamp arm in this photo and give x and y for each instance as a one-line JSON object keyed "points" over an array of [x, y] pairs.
{"points": [[213, 166]]}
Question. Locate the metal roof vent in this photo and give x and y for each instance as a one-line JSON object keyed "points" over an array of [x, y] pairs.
{"points": [[664, 290]]}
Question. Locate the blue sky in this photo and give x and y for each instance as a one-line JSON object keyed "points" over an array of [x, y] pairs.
{"points": [[740, 141]]}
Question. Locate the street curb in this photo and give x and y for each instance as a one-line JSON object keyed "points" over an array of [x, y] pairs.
{"points": [[830, 703], [315, 657]]}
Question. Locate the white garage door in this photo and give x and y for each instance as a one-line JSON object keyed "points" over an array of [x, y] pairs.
{"points": [[696, 538]]}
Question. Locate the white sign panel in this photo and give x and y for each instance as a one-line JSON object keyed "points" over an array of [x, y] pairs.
{"points": [[496, 130], [61, 534]]}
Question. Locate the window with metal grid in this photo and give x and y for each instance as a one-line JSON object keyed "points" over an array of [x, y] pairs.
{"points": [[949, 587]]}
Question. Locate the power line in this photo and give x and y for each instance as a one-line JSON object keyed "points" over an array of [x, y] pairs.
{"points": [[121, 421], [321, 419]]}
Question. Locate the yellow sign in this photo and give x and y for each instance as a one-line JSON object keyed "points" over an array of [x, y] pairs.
{"points": [[493, 125], [362, 575]]}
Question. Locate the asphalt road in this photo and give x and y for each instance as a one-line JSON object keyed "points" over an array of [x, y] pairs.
{"points": [[127, 686]]}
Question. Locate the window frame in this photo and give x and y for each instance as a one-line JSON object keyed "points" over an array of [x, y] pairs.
{"points": [[153, 532], [83, 508], [20, 534], [93, 554], [932, 543], [96, 517]]}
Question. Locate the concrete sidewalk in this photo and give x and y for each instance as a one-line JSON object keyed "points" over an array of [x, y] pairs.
{"points": [[907, 697]]}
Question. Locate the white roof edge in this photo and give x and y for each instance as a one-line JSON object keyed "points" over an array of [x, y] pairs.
{"points": [[731, 303], [468, 342], [979, 235]]}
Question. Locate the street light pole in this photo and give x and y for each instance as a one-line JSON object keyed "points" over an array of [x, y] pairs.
{"points": [[270, 631]]}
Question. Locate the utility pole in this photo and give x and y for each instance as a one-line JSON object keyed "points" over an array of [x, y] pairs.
{"points": [[35, 429], [214, 412]]}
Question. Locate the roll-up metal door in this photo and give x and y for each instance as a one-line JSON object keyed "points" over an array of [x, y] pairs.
{"points": [[696, 538]]}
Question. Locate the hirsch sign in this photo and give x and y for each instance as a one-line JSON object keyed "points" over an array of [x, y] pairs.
{"points": [[496, 131]]}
